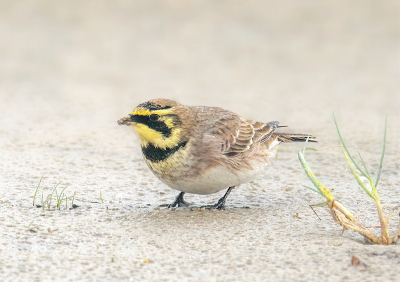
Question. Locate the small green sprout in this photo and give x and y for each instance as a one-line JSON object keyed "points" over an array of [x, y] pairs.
{"points": [[37, 188], [32, 229], [60, 197]]}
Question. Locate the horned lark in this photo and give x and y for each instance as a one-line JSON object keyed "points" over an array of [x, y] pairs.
{"points": [[202, 150]]}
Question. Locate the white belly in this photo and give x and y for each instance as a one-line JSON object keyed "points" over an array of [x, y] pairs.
{"points": [[214, 180]]}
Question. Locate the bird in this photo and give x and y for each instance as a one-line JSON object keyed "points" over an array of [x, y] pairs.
{"points": [[203, 150]]}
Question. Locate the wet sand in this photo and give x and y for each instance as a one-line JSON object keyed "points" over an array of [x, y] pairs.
{"points": [[69, 70]]}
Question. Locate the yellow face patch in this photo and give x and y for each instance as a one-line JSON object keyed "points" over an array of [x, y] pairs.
{"points": [[149, 135]]}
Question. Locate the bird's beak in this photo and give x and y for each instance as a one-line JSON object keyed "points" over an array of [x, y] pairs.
{"points": [[126, 120]]}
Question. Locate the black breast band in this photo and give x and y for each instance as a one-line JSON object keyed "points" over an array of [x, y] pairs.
{"points": [[155, 154]]}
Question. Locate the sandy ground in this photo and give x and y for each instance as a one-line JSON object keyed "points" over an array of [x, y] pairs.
{"points": [[70, 69]]}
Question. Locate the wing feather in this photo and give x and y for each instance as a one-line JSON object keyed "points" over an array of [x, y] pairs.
{"points": [[248, 133], [237, 135]]}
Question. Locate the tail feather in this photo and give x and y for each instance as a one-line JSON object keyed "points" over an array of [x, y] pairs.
{"points": [[290, 137]]}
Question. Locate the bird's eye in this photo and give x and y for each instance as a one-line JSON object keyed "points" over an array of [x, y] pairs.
{"points": [[154, 117]]}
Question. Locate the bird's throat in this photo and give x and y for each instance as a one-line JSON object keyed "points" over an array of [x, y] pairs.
{"points": [[156, 154]]}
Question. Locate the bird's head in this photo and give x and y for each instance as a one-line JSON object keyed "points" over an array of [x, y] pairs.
{"points": [[161, 122]]}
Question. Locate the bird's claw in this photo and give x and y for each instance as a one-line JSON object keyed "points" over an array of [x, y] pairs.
{"points": [[178, 203]]}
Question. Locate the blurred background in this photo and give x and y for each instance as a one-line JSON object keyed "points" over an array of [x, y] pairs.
{"points": [[253, 57], [70, 69]]}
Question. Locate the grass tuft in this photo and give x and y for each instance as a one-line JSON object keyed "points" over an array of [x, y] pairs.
{"points": [[59, 197], [339, 213]]}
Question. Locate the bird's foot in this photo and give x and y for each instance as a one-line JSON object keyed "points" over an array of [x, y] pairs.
{"points": [[178, 203], [221, 202], [218, 206]]}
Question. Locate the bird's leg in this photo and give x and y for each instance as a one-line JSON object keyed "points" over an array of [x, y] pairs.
{"points": [[221, 202], [179, 202]]}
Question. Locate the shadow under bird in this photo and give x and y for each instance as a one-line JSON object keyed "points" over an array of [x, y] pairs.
{"points": [[202, 150]]}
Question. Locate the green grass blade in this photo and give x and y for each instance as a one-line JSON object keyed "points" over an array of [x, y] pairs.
{"points": [[51, 195], [356, 176], [316, 191], [323, 191], [73, 199], [29, 226], [60, 198], [62, 191], [320, 204], [37, 188], [383, 154], [345, 147], [57, 198], [48, 200], [366, 169]]}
